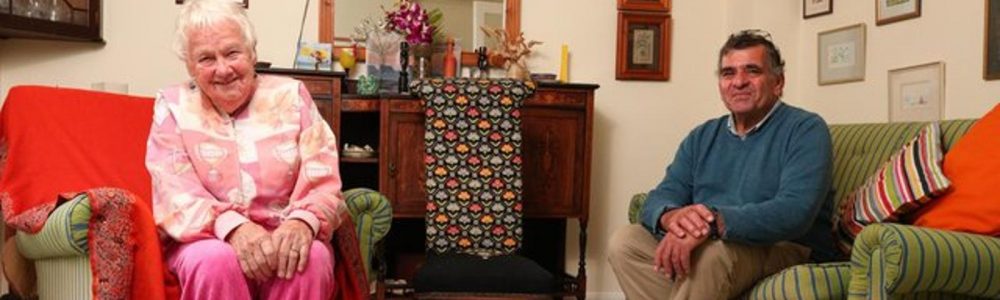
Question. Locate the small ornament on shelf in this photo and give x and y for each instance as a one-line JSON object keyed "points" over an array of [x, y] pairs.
{"points": [[482, 61], [404, 63], [449, 59]]}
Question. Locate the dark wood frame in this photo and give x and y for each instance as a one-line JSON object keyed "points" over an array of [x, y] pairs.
{"points": [[512, 24], [246, 3], [624, 70], [644, 5], [829, 10], [991, 40], [880, 22]]}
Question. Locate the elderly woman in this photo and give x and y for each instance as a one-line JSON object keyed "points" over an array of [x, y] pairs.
{"points": [[245, 178]]}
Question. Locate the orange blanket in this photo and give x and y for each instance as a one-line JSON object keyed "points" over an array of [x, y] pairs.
{"points": [[61, 141]]}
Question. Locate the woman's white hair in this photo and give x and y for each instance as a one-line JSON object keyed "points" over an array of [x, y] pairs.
{"points": [[207, 13]]}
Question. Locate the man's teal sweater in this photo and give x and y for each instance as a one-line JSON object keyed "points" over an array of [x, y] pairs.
{"points": [[771, 186]]}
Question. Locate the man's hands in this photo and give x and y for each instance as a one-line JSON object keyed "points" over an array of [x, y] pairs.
{"points": [[261, 253], [687, 228], [254, 250], [294, 238], [690, 220], [673, 255]]}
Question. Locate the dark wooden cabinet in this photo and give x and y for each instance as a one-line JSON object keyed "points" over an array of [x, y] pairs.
{"points": [[556, 129], [74, 20], [404, 158]]}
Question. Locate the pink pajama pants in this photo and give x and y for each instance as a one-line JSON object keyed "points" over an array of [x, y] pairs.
{"points": [[208, 269]]}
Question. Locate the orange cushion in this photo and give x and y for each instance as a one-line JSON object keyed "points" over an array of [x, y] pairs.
{"points": [[973, 166]]}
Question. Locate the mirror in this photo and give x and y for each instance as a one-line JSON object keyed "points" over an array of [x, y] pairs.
{"points": [[461, 19]]}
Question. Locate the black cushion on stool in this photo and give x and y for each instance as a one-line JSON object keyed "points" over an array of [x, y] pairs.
{"points": [[468, 273]]}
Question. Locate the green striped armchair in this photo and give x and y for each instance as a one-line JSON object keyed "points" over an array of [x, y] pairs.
{"points": [[888, 261], [62, 264]]}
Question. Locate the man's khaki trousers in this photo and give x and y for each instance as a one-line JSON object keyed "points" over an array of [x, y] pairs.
{"points": [[719, 269]]}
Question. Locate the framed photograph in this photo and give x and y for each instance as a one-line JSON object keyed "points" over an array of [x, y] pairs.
{"points": [[991, 41], [841, 55], [888, 11], [314, 56], [916, 93], [643, 46], [644, 5], [815, 8], [246, 3]]}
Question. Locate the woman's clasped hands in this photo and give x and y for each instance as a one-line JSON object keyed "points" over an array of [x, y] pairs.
{"points": [[263, 254]]}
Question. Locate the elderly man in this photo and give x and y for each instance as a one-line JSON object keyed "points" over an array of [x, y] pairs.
{"points": [[747, 194]]}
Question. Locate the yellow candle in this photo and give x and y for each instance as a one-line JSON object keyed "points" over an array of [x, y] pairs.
{"points": [[564, 66]]}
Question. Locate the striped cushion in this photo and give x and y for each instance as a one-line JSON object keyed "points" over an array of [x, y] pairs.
{"points": [[860, 149], [64, 233], [806, 281], [912, 177], [372, 215]]}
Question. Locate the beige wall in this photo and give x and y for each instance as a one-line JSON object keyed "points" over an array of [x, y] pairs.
{"points": [[638, 124], [948, 31]]}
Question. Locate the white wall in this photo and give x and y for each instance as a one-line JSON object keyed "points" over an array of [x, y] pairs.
{"points": [[638, 125], [948, 31]]}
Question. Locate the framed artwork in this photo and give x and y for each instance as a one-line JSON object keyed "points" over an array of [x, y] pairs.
{"points": [[643, 46], [991, 41], [644, 5], [815, 8], [916, 93], [246, 3], [888, 11], [841, 55]]}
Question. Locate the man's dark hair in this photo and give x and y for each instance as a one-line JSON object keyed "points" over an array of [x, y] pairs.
{"points": [[751, 38]]}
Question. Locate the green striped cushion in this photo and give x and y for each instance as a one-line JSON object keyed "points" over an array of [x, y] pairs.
{"points": [[372, 216], [64, 233], [805, 281], [903, 260], [910, 178]]}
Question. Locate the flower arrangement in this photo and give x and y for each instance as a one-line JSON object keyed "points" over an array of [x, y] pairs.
{"points": [[511, 51], [412, 21]]}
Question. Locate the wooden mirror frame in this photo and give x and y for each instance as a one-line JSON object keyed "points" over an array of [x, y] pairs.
{"points": [[512, 24]]}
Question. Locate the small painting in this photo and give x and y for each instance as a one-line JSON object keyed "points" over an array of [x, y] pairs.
{"points": [[916, 93], [841, 55], [815, 8], [643, 46], [314, 56], [890, 11]]}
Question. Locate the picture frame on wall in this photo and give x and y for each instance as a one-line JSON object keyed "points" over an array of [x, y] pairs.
{"points": [[246, 3], [991, 41], [890, 11], [815, 8], [841, 55], [643, 50], [644, 5], [916, 93]]}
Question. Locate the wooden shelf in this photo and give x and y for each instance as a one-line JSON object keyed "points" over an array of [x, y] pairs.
{"points": [[359, 105], [360, 160]]}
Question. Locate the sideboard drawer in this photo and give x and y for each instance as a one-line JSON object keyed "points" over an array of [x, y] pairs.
{"points": [[559, 98], [318, 87]]}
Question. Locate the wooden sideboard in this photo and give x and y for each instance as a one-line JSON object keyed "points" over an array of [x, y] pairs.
{"points": [[557, 127]]}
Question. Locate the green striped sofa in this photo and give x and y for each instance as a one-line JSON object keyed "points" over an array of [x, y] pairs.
{"points": [[889, 261], [59, 250]]}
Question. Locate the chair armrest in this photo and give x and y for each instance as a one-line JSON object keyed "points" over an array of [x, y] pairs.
{"points": [[63, 235], [893, 260], [634, 206], [372, 216]]}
